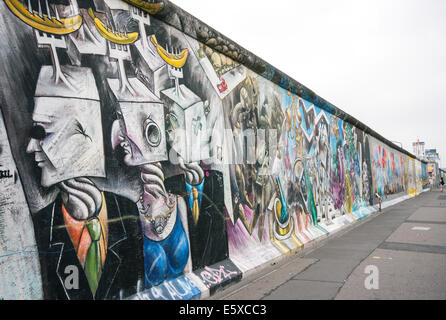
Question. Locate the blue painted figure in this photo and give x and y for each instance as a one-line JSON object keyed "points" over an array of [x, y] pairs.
{"points": [[166, 259]]}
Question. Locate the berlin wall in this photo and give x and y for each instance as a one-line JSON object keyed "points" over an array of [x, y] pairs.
{"points": [[144, 155]]}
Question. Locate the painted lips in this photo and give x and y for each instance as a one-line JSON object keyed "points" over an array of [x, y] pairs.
{"points": [[40, 159], [41, 164], [126, 146]]}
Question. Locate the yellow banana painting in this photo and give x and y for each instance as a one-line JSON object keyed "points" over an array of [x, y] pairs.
{"points": [[115, 37], [44, 23], [175, 60], [152, 8]]}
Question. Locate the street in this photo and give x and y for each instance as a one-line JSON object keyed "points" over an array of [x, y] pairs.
{"points": [[399, 253]]}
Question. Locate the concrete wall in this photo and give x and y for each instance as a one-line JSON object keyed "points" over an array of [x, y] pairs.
{"points": [[160, 160]]}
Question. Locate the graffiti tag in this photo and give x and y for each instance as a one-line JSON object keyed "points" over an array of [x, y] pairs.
{"points": [[175, 289], [222, 87], [5, 174], [211, 276]]}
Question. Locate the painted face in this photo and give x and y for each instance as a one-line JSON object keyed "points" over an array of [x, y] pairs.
{"points": [[323, 134], [66, 139], [140, 132]]}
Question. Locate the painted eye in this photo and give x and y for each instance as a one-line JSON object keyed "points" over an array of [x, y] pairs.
{"points": [[152, 133], [171, 122], [38, 132]]}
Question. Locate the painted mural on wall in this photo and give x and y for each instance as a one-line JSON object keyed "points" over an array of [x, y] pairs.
{"points": [[389, 170], [141, 163], [424, 176], [327, 161]]}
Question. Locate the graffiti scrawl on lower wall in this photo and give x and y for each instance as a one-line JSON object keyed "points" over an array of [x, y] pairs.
{"points": [[180, 288], [219, 275], [137, 162]]}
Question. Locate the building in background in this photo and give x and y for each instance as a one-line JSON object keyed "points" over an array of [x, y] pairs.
{"points": [[431, 156], [433, 167], [418, 148]]}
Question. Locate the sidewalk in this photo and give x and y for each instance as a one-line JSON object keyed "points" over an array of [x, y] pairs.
{"points": [[406, 242]]}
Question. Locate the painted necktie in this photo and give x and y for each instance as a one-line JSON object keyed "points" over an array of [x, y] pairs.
{"points": [[93, 265], [195, 207], [194, 194]]}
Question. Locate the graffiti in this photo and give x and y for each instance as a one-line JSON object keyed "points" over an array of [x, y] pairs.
{"points": [[389, 169], [252, 189], [424, 176], [154, 162], [180, 288], [211, 276], [222, 87], [5, 174]]}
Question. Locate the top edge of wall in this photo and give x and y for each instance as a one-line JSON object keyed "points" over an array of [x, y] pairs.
{"points": [[183, 21]]}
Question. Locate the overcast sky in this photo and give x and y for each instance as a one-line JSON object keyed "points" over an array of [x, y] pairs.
{"points": [[382, 61]]}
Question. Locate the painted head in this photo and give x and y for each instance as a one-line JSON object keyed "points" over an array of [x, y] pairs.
{"points": [[66, 136], [139, 131], [323, 134]]}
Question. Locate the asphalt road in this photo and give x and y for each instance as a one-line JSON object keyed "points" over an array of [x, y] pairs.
{"points": [[399, 253]]}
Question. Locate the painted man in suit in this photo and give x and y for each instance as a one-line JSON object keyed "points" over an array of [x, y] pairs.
{"points": [[89, 241]]}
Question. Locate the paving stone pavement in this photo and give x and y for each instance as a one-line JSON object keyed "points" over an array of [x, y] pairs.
{"points": [[405, 244]]}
